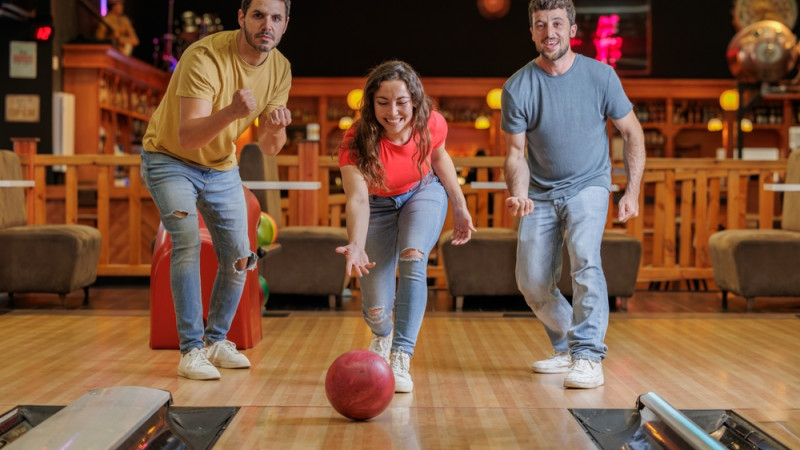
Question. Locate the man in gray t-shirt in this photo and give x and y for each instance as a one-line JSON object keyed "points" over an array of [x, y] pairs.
{"points": [[555, 110]]}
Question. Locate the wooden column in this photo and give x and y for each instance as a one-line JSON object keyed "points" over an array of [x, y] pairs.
{"points": [[308, 168], [26, 148]]}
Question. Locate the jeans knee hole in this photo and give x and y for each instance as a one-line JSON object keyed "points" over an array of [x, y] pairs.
{"points": [[240, 264], [411, 254], [375, 315], [246, 263], [180, 214]]}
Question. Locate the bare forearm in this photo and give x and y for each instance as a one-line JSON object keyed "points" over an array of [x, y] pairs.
{"points": [[517, 175], [271, 141], [272, 130], [198, 132], [634, 154], [357, 215], [446, 171]]}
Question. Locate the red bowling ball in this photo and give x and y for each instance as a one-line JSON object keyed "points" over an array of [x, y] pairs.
{"points": [[359, 384]]}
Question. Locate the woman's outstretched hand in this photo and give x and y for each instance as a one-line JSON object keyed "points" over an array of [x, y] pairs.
{"points": [[462, 227], [358, 263]]}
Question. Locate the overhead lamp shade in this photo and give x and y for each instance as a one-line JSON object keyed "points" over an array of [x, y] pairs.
{"points": [[764, 51], [747, 125], [494, 9], [729, 100], [354, 98], [482, 123], [345, 123], [493, 98], [714, 124]]}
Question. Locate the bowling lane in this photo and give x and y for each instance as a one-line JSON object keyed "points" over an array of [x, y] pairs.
{"points": [[472, 383], [402, 427]]}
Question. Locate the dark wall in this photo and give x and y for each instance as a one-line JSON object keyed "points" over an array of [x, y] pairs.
{"points": [[449, 37], [438, 37], [42, 85]]}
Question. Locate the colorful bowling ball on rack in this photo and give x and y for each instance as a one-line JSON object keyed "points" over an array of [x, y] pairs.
{"points": [[267, 230]]}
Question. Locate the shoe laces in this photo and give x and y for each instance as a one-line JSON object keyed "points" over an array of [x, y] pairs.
{"points": [[583, 366], [226, 346], [381, 344], [197, 358], [400, 362]]}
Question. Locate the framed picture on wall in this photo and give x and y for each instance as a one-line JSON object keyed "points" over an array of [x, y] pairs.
{"points": [[617, 32]]}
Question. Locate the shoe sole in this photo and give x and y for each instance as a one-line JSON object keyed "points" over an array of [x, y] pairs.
{"points": [[564, 369], [230, 366], [185, 375], [580, 385], [403, 389]]}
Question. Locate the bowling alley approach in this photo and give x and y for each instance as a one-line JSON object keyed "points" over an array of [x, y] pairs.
{"points": [[448, 224]]}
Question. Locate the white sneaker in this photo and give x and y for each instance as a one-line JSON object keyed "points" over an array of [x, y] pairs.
{"points": [[224, 354], [556, 363], [381, 345], [400, 362], [584, 374], [195, 366]]}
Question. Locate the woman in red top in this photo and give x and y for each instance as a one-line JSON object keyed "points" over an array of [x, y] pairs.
{"points": [[397, 176]]}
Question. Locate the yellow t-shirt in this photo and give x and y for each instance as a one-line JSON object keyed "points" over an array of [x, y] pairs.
{"points": [[212, 69]]}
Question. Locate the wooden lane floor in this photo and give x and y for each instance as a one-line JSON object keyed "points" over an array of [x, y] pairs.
{"points": [[472, 383]]}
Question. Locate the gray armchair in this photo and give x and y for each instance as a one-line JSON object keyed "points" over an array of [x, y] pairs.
{"points": [[41, 258], [761, 263], [485, 265]]}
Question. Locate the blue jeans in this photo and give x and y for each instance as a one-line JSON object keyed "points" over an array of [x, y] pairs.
{"points": [[179, 191], [579, 328], [409, 221]]}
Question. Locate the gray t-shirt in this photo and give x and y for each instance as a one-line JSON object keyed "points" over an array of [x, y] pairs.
{"points": [[565, 119]]}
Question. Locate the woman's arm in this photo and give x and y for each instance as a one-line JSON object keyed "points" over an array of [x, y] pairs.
{"points": [[446, 171], [357, 215]]}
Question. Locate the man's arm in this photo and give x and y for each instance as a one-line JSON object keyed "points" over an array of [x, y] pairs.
{"points": [[518, 176], [272, 130], [198, 126], [634, 155]]}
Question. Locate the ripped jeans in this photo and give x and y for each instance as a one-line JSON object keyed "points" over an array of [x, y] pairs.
{"points": [[402, 231], [179, 191]]}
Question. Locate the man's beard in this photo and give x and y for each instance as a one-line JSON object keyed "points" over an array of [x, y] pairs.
{"points": [[251, 39]]}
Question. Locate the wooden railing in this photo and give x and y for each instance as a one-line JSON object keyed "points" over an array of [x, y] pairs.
{"points": [[131, 262], [683, 201]]}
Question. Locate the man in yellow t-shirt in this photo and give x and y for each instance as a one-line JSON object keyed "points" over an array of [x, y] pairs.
{"points": [[221, 84]]}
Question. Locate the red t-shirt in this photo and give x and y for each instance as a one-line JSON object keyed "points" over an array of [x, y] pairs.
{"points": [[398, 160]]}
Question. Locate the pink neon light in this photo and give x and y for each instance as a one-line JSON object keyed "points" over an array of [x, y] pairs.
{"points": [[608, 46]]}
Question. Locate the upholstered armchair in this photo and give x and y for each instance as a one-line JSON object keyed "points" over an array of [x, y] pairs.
{"points": [[621, 255], [761, 263], [485, 265], [41, 258]]}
